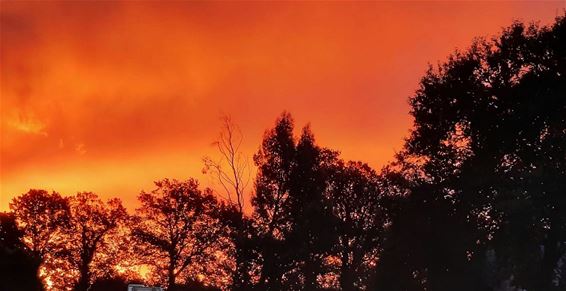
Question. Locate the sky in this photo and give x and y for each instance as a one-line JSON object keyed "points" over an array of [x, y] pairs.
{"points": [[111, 96]]}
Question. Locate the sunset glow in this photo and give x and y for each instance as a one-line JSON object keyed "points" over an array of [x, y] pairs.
{"points": [[111, 96]]}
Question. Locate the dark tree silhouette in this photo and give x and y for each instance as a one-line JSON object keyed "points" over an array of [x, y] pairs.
{"points": [[310, 240], [240, 232], [271, 202], [41, 217], [87, 248], [291, 211], [489, 138], [354, 192], [177, 229], [17, 269], [233, 171]]}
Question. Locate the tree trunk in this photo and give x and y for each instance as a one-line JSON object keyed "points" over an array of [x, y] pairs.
{"points": [[311, 265], [270, 279], [346, 278], [36, 266], [84, 279], [171, 277], [241, 279]]}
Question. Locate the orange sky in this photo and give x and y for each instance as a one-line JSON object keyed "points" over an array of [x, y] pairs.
{"points": [[109, 96]]}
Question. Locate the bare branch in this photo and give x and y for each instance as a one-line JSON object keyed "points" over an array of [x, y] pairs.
{"points": [[232, 170]]}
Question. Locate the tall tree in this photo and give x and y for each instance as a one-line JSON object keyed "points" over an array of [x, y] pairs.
{"points": [[233, 172], [489, 137], [310, 209], [274, 160], [41, 217], [177, 230], [290, 208]]}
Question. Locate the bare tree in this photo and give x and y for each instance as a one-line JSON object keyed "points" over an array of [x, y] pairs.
{"points": [[232, 169]]}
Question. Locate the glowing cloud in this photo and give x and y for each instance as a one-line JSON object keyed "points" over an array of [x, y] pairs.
{"points": [[117, 94]]}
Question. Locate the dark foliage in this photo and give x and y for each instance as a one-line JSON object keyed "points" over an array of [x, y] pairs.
{"points": [[18, 270], [488, 205]]}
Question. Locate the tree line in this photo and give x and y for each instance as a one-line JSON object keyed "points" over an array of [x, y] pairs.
{"points": [[475, 200]]}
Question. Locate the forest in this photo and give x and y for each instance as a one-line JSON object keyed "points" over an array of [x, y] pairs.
{"points": [[475, 200]]}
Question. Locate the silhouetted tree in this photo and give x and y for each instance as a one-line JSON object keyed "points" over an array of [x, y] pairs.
{"points": [[354, 192], [311, 211], [17, 269], [87, 240], [41, 217], [291, 212], [233, 171], [177, 229], [271, 202], [243, 237], [489, 138]]}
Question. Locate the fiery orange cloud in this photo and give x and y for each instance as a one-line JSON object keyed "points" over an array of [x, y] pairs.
{"points": [[109, 96]]}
